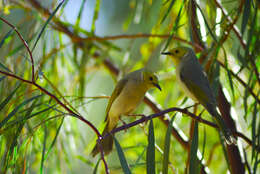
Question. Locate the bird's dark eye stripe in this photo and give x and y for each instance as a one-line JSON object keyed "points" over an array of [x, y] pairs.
{"points": [[151, 78]]}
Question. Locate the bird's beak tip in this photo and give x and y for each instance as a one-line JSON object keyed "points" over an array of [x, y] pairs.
{"points": [[158, 86]]}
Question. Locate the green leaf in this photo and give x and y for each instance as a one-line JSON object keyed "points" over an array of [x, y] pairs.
{"points": [[194, 162], [168, 11], [95, 17], [45, 25], [246, 15], [229, 74], [246, 94], [43, 149], [150, 154], [8, 98], [167, 144], [5, 120], [4, 67], [254, 122], [121, 156], [55, 138], [207, 25], [96, 166], [174, 29], [80, 14], [6, 37]]}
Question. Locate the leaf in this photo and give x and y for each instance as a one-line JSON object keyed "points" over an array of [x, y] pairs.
{"points": [[4, 67], [254, 122], [8, 98], [80, 14], [229, 74], [194, 162], [26, 117], [45, 25], [150, 154], [96, 166], [55, 138], [121, 156], [168, 11], [5, 120], [207, 25], [246, 15], [6, 37], [167, 144], [43, 149], [246, 94], [95, 17], [174, 29]]}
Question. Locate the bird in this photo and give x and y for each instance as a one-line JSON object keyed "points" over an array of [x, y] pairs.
{"points": [[126, 96], [195, 84]]}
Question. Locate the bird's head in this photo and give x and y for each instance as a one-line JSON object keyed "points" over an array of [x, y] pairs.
{"points": [[177, 54], [151, 80]]}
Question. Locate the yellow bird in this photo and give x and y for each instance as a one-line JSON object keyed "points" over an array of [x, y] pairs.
{"points": [[127, 95], [193, 80]]}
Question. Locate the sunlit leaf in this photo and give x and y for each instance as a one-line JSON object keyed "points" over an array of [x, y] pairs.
{"points": [[122, 158], [193, 162], [167, 144], [168, 11], [150, 153]]}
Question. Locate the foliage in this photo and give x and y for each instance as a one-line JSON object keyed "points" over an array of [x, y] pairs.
{"points": [[59, 62]]}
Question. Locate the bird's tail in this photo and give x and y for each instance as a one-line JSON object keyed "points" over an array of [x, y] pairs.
{"points": [[225, 131], [106, 143]]}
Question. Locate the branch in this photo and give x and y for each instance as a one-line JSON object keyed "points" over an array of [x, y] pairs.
{"points": [[174, 109], [24, 43]]}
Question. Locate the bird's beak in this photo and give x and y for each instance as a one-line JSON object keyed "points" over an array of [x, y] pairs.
{"points": [[157, 86], [166, 53]]}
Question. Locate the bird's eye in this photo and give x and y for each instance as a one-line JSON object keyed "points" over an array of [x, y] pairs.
{"points": [[176, 51], [151, 78]]}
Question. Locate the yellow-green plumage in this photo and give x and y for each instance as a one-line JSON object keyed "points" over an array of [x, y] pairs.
{"points": [[194, 82], [127, 95]]}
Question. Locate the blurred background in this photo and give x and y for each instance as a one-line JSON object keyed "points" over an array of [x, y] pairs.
{"points": [[81, 48]]}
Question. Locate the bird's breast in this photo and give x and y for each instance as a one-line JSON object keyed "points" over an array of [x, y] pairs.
{"points": [[128, 100]]}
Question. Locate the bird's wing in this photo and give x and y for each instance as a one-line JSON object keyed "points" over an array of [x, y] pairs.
{"points": [[118, 89], [195, 79]]}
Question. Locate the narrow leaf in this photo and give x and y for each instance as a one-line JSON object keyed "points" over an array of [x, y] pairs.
{"points": [[207, 25], [5, 120], [95, 17], [246, 15], [96, 166], [45, 25], [229, 74], [121, 156], [150, 154], [174, 29], [6, 37], [167, 144], [194, 163], [168, 11], [43, 149], [8, 98]]}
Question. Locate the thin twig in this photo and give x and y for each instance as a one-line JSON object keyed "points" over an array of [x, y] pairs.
{"points": [[24, 43]]}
